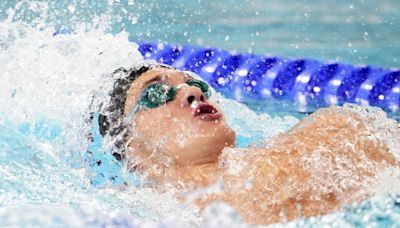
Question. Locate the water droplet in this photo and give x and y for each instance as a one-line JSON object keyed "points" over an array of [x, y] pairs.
{"points": [[71, 8], [134, 20], [221, 81], [194, 104]]}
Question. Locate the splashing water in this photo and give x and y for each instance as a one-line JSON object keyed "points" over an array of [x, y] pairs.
{"points": [[47, 87]]}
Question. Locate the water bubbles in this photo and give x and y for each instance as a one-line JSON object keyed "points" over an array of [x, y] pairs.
{"points": [[366, 36], [266, 92], [221, 81], [336, 82], [194, 105], [242, 72], [303, 78], [367, 86], [71, 8], [134, 20], [226, 216], [199, 41], [295, 45]]}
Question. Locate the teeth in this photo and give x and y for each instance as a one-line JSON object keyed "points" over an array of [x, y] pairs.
{"points": [[194, 104]]}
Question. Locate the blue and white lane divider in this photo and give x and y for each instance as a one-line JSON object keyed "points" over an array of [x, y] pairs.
{"points": [[308, 83]]}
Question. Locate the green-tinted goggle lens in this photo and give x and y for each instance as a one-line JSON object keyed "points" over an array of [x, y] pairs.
{"points": [[158, 94]]}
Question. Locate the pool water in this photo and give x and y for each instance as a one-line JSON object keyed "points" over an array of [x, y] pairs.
{"points": [[48, 81], [351, 31]]}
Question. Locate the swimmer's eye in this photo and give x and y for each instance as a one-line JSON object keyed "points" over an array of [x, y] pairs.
{"points": [[156, 95], [201, 85]]}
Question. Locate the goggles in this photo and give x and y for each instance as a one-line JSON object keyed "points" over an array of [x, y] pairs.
{"points": [[158, 94]]}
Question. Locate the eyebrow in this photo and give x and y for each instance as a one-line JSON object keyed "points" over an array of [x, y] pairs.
{"points": [[155, 79], [159, 77]]}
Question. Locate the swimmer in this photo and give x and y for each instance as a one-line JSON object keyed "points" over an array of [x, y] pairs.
{"points": [[165, 128]]}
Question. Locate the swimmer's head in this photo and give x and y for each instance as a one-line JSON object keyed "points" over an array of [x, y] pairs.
{"points": [[159, 112]]}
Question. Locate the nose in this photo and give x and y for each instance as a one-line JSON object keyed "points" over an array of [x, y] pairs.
{"points": [[191, 94]]}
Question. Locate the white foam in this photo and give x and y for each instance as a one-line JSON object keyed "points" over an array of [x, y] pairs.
{"points": [[381, 127], [53, 77]]}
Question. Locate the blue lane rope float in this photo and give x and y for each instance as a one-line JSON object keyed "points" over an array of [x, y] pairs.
{"points": [[308, 83]]}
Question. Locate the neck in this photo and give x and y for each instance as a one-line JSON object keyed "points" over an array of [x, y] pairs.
{"points": [[195, 176], [181, 177], [164, 170]]}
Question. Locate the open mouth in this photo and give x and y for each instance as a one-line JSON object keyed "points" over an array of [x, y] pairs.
{"points": [[207, 112]]}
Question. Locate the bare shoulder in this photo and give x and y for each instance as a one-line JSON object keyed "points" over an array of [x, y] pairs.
{"points": [[336, 128], [332, 157]]}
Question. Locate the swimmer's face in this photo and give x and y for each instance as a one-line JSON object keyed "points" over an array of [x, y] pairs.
{"points": [[187, 129]]}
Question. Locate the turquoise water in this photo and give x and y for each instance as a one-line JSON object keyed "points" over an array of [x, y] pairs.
{"points": [[351, 31], [358, 32], [47, 83]]}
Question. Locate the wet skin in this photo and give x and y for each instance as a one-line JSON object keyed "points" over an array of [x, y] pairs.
{"points": [[328, 160], [176, 131]]}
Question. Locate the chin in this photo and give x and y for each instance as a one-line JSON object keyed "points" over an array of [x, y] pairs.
{"points": [[206, 148]]}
